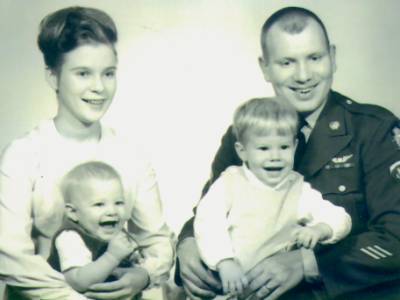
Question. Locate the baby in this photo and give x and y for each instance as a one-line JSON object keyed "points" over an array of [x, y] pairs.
{"points": [[93, 242], [262, 207]]}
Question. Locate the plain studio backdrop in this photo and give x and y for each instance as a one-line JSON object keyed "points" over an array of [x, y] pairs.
{"points": [[184, 66]]}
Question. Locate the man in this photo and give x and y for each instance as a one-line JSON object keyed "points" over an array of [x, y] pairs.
{"points": [[350, 155]]}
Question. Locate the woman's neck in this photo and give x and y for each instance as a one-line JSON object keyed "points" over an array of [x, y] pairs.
{"points": [[78, 131]]}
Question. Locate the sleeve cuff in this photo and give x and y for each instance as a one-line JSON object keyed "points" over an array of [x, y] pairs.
{"points": [[311, 272]]}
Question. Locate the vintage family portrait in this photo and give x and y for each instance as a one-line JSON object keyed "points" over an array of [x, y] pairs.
{"points": [[198, 149]]}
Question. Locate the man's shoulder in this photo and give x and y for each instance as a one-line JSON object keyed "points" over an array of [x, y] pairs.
{"points": [[357, 109]]}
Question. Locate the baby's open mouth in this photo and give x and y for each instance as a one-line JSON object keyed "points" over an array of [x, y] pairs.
{"points": [[109, 224], [273, 169]]}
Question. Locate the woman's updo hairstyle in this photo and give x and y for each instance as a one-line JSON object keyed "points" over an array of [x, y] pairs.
{"points": [[68, 28]]}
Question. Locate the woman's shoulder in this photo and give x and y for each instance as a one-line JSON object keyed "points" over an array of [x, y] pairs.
{"points": [[25, 149]]}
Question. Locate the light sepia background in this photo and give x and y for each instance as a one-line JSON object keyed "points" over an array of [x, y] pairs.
{"points": [[184, 65]]}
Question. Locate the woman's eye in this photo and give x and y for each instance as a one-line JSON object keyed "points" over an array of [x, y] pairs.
{"points": [[83, 73], [110, 74]]}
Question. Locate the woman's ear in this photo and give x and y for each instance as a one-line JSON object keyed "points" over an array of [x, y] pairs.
{"points": [[70, 212], [241, 151], [52, 79]]}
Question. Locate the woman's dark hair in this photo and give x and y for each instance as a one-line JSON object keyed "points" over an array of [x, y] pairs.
{"points": [[68, 28]]}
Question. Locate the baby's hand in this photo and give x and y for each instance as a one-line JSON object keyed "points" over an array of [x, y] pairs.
{"points": [[232, 277], [120, 246], [309, 236]]}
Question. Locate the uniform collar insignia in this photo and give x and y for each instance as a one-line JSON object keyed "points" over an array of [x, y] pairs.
{"points": [[342, 159]]}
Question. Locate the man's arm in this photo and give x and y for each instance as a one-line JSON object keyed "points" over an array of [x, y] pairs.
{"points": [[371, 257]]}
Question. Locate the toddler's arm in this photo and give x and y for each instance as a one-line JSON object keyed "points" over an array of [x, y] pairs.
{"points": [[81, 278], [309, 236], [232, 276]]}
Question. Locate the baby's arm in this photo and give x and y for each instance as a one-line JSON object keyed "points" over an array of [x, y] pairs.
{"points": [[43, 246], [81, 278], [232, 276], [309, 236]]}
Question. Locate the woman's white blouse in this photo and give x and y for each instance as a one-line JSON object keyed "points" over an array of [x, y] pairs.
{"points": [[30, 202]]}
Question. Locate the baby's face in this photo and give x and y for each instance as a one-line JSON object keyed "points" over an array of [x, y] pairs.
{"points": [[100, 207], [270, 157]]}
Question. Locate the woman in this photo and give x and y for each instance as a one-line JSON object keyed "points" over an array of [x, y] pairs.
{"points": [[78, 45]]}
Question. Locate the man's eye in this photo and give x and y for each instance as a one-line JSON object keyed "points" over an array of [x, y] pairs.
{"points": [[316, 57], [284, 147], [284, 63]]}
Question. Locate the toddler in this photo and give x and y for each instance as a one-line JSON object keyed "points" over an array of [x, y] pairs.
{"points": [[262, 207]]}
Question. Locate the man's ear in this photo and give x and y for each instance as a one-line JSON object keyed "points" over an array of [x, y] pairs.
{"points": [[52, 79], [70, 212], [332, 54], [241, 152], [264, 68], [296, 143]]}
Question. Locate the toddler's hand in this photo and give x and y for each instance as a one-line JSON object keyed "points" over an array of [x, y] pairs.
{"points": [[232, 277], [120, 246], [309, 236]]}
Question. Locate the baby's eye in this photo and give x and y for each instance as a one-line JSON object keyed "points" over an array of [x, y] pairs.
{"points": [[98, 204], [120, 202], [263, 148]]}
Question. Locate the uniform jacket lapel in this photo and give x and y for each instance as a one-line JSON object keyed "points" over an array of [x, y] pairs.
{"points": [[328, 138]]}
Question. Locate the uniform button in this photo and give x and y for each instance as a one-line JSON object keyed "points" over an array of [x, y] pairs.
{"points": [[341, 188], [348, 101]]}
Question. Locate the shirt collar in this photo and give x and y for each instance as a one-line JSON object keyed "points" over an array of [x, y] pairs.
{"points": [[257, 182], [312, 118]]}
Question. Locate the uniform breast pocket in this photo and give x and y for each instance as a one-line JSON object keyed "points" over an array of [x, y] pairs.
{"points": [[343, 187]]}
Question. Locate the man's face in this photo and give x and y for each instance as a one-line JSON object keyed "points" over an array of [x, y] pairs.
{"points": [[300, 66]]}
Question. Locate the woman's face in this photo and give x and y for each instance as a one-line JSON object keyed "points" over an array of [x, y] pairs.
{"points": [[86, 83]]}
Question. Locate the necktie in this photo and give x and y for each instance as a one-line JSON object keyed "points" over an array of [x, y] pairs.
{"points": [[301, 144]]}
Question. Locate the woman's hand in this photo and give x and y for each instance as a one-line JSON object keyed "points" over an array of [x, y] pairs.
{"points": [[275, 275], [198, 282], [130, 283]]}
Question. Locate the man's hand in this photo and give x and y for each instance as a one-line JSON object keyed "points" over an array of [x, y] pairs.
{"points": [[130, 283], [198, 282], [233, 279], [275, 275]]}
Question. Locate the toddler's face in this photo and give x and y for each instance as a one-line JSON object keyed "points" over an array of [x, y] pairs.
{"points": [[270, 157], [100, 207]]}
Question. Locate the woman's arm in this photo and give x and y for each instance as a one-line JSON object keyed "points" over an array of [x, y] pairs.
{"points": [[20, 267], [147, 224]]}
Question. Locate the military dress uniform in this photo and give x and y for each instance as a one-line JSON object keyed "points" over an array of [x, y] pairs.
{"points": [[353, 159]]}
